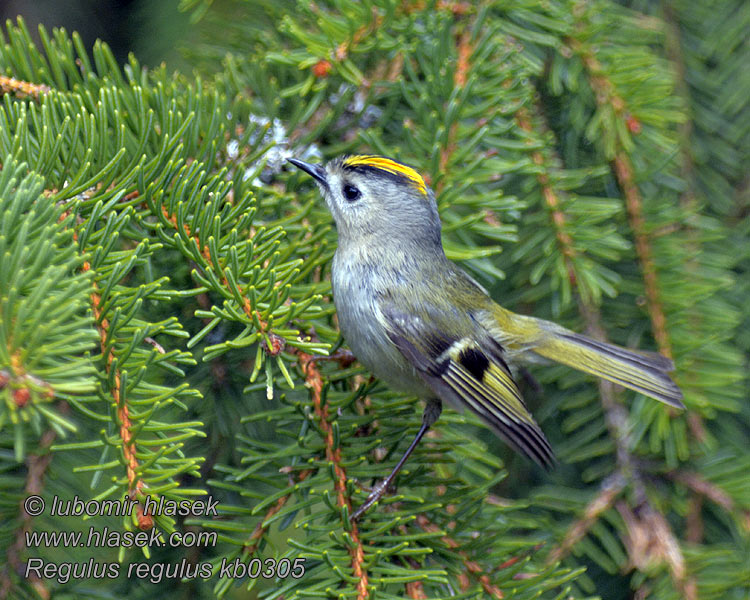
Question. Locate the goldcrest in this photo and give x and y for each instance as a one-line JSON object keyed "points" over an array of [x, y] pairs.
{"points": [[421, 324]]}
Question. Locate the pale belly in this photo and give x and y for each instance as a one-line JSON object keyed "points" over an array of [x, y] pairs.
{"points": [[362, 326]]}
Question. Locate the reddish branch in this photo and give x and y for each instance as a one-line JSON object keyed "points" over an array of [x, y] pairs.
{"points": [[463, 64], [640, 534], [22, 89], [649, 536], [594, 509], [460, 76], [123, 412], [614, 413], [246, 306], [135, 484], [314, 381], [36, 465], [606, 96], [471, 566], [634, 203], [251, 546], [564, 240]]}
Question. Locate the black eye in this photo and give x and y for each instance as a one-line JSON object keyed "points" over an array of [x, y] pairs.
{"points": [[351, 193]]}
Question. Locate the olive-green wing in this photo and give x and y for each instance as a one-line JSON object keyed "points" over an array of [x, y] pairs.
{"points": [[469, 371]]}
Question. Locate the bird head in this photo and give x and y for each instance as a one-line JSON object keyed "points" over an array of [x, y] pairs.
{"points": [[376, 197]]}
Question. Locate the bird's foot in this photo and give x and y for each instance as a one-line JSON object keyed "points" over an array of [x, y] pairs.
{"points": [[376, 493]]}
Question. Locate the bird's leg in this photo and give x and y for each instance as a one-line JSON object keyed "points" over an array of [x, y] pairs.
{"points": [[431, 413]]}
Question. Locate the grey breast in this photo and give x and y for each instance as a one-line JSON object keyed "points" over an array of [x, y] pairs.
{"points": [[356, 293]]}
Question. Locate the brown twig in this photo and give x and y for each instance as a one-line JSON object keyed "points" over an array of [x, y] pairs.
{"points": [[36, 465], [251, 546], [206, 254], [602, 502], [606, 96], [634, 203], [314, 381], [135, 484], [650, 540], [712, 492], [22, 89], [565, 242], [472, 567], [649, 537], [615, 415]]}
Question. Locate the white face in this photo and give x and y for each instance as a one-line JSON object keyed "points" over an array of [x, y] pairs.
{"points": [[378, 202], [352, 200], [371, 203]]}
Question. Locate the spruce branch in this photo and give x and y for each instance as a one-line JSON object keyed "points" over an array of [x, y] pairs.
{"points": [[608, 99], [471, 566], [128, 444], [261, 529], [21, 89], [662, 290], [42, 341], [252, 313], [698, 484], [551, 197], [627, 472], [314, 382], [37, 465]]}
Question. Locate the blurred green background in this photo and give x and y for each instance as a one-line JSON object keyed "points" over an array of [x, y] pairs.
{"points": [[154, 31]]}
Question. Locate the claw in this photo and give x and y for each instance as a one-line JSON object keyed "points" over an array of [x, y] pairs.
{"points": [[378, 490]]}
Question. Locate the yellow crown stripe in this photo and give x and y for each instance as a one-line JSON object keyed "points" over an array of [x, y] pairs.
{"points": [[386, 164]]}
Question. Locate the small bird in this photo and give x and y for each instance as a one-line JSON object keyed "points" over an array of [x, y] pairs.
{"points": [[421, 324]]}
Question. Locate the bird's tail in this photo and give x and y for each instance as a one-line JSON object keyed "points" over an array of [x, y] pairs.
{"points": [[644, 372]]}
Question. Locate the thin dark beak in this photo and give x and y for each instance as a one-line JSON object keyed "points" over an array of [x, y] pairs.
{"points": [[316, 171]]}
